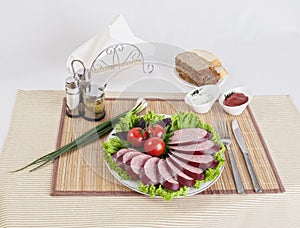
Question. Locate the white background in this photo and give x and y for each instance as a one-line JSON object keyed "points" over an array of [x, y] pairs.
{"points": [[257, 41]]}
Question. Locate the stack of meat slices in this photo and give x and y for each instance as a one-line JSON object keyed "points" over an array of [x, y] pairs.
{"points": [[189, 156]]}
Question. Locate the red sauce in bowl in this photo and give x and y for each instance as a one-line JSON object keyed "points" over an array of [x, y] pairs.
{"points": [[235, 99]]}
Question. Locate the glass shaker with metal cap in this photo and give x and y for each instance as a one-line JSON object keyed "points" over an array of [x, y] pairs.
{"points": [[72, 96], [93, 102]]}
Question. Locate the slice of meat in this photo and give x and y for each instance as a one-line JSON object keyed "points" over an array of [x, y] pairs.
{"points": [[192, 171], [204, 161], [166, 178], [117, 156], [124, 160], [206, 147], [189, 135], [119, 153], [214, 164], [149, 173], [134, 166], [181, 177]]}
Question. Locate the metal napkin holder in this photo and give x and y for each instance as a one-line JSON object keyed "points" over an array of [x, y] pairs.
{"points": [[87, 100]]}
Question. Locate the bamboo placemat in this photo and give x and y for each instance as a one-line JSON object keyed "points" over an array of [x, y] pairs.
{"points": [[83, 172]]}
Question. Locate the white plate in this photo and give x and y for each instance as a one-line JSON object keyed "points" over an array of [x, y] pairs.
{"points": [[133, 183]]}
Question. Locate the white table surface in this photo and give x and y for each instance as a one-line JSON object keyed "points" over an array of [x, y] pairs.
{"points": [[258, 42]]}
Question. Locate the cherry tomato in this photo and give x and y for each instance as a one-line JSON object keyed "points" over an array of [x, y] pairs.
{"points": [[156, 131], [154, 146], [136, 136], [146, 135]]}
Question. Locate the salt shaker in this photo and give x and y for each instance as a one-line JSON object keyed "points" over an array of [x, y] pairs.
{"points": [[93, 102], [72, 96]]}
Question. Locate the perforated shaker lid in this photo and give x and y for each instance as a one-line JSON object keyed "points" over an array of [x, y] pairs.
{"points": [[72, 85]]}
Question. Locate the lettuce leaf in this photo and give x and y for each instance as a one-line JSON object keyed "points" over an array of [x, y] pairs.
{"points": [[110, 147], [185, 120], [114, 144], [152, 118], [161, 191], [127, 122]]}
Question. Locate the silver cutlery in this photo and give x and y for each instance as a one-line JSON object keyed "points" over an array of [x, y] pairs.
{"points": [[239, 138], [226, 140]]}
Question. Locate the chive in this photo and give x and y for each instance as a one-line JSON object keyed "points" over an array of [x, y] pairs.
{"points": [[228, 95], [84, 139]]}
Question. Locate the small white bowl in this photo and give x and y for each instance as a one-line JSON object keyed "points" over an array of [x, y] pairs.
{"points": [[236, 110], [202, 98]]}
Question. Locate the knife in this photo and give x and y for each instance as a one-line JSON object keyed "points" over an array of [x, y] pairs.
{"points": [[239, 138]]}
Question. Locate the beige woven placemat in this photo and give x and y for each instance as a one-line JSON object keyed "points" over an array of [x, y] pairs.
{"points": [[83, 172]]}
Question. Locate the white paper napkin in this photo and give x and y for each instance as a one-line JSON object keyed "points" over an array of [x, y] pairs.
{"points": [[117, 32]]}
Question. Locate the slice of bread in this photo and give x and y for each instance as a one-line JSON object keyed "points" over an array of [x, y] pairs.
{"points": [[199, 67]]}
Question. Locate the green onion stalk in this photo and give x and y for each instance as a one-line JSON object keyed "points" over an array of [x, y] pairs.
{"points": [[85, 138]]}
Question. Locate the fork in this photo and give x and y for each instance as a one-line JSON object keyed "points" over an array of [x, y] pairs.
{"points": [[226, 140]]}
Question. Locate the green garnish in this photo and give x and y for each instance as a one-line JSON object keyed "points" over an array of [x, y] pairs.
{"points": [[197, 91], [228, 95], [85, 138], [113, 145], [160, 191], [185, 120]]}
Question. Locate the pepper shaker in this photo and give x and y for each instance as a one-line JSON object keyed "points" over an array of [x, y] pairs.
{"points": [[93, 102], [72, 96]]}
